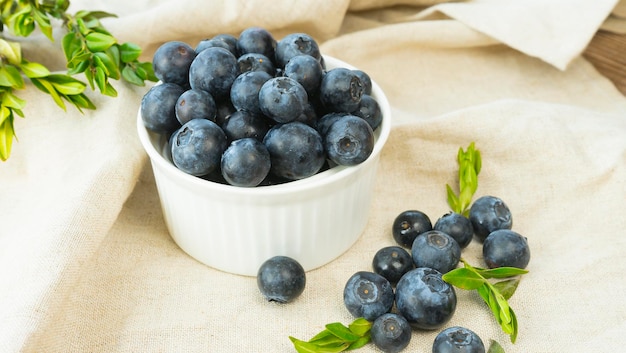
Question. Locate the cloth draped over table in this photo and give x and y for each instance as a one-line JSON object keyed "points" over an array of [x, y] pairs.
{"points": [[87, 265]]}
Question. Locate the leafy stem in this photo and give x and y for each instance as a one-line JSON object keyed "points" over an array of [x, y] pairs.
{"points": [[88, 47], [469, 167], [336, 337], [494, 294]]}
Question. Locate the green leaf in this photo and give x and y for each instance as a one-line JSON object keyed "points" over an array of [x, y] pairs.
{"points": [[34, 70], [98, 41], [340, 330], [359, 343], [495, 295], [109, 90], [146, 71], [11, 77], [360, 326], [326, 340], [106, 62], [501, 272], [66, 85], [495, 347], [11, 51], [47, 87], [308, 347], [44, 23], [81, 101], [93, 14], [464, 278], [453, 201], [71, 44], [131, 76], [469, 167], [129, 52], [101, 78], [7, 133], [12, 101]]}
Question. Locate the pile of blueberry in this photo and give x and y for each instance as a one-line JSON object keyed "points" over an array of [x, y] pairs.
{"points": [[252, 110], [423, 300]]}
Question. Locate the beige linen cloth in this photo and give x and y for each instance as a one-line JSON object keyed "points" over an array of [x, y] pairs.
{"points": [[87, 265]]}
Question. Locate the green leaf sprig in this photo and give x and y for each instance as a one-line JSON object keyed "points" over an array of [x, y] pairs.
{"points": [[88, 47], [336, 337], [469, 167], [494, 293]]}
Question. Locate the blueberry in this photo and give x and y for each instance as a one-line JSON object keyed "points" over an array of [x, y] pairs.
{"points": [[195, 104], [197, 147], [506, 248], [244, 92], [242, 123], [306, 70], [214, 70], [391, 333], [458, 339], [392, 262], [158, 107], [324, 123], [369, 110], [296, 150], [246, 162], [489, 213], [281, 279], [366, 80], [282, 99], [341, 90], [308, 116], [223, 40], [349, 141], [425, 299], [256, 40], [256, 62], [224, 110], [457, 226], [368, 295], [171, 62], [295, 44], [436, 250], [408, 225]]}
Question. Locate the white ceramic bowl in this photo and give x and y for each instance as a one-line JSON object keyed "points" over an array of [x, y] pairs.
{"points": [[235, 229]]}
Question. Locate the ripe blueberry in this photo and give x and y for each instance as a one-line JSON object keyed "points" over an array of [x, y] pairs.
{"points": [[197, 147], [392, 262], [408, 225], [214, 70], [296, 150], [368, 295], [171, 62], [341, 90], [281, 279], [282, 99], [391, 333], [246, 162], [158, 108], [436, 250], [195, 104], [489, 213], [457, 226], [506, 248], [295, 44], [425, 299], [458, 339], [349, 140]]}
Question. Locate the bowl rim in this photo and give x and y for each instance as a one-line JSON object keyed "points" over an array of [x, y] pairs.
{"points": [[318, 180]]}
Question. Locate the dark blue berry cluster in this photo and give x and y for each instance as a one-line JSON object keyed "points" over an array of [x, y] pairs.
{"points": [[410, 275], [277, 95]]}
